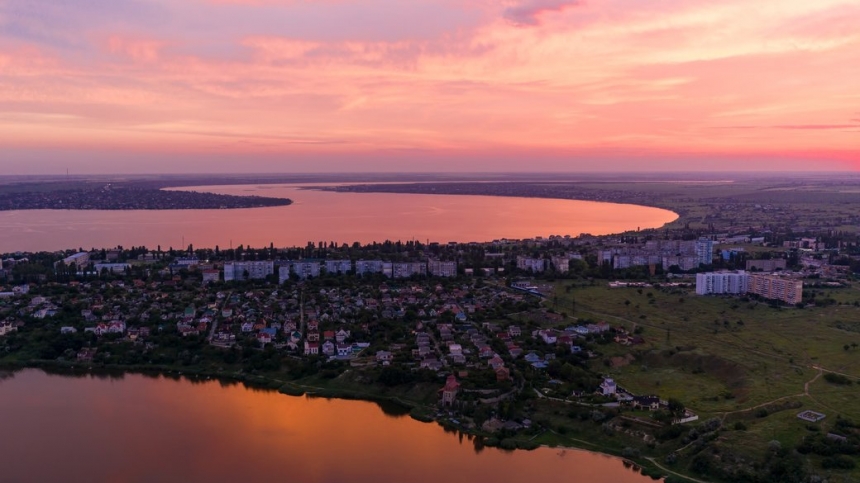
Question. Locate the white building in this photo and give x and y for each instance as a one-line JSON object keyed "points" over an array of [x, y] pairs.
{"points": [[438, 268], [561, 263], [304, 269], [407, 269], [211, 275], [533, 264], [248, 270], [112, 267], [368, 266], [81, 260], [722, 283], [338, 266]]}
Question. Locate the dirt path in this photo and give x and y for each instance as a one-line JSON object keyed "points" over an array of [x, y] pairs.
{"points": [[667, 470]]}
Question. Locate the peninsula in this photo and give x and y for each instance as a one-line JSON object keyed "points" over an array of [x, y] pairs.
{"points": [[84, 195]]}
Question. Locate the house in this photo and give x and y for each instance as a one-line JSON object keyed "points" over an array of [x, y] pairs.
{"points": [[264, 338], [328, 348], [312, 348], [384, 357], [503, 374], [450, 390], [515, 331], [430, 363], [651, 403], [344, 350], [341, 335], [496, 362], [328, 335], [86, 354], [608, 387], [548, 336], [485, 352], [63, 330], [7, 327]]}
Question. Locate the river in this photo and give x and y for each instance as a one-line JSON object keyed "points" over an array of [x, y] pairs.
{"points": [[141, 429], [323, 216]]}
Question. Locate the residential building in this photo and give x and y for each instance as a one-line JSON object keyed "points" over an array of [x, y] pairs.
{"points": [[407, 269], [705, 251], [722, 283], [255, 270], [560, 264], [338, 266], [303, 268], [368, 266], [80, 259], [210, 276], [771, 287], [533, 264], [111, 267], [771, 265], [449, 392], [438, 268]]}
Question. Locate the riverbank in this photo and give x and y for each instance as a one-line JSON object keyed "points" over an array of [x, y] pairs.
{"points": [[391, 405]]}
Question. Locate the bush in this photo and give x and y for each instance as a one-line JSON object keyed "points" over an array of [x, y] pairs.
{"points": [[840, 462], [837, 379]]}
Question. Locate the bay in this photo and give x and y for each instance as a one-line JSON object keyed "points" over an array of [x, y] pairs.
{"points": [[323, 216], [140, 429]]}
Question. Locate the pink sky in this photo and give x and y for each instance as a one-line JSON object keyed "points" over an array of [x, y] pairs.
{"points": [[135, 86]]}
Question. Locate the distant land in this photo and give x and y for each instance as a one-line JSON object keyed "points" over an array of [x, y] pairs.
{"points": [[88, 195]]}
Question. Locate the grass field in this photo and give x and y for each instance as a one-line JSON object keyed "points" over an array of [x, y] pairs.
{"points": [[729, 359]]}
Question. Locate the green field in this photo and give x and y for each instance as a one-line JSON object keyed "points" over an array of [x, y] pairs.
{"points": [[739, 361]]}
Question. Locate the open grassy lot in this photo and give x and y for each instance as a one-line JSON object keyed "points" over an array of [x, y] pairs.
{"points": [[739, 360]]}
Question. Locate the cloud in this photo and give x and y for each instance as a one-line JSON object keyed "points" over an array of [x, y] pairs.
{"points": [[816, 126], [529, 12]]}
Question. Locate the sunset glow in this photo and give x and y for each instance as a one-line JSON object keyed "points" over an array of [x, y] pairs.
{"points": [[468, 85]]}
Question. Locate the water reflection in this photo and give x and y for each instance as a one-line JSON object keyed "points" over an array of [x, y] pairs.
{"points": [[148, 429], [322, 215]]}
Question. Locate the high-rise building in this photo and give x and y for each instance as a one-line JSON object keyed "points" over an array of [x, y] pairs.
{"points": [[705, 251], [438, 268], [256, 270], [787, 290], [722, 283]]}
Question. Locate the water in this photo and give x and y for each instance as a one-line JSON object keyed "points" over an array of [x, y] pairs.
{"points": [[153, 429], [323, 216]]}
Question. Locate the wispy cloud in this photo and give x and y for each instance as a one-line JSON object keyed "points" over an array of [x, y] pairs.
{"points": [[528, 12], [557, 81]]}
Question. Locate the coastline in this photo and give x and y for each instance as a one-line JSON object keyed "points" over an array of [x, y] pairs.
{"points": [[647, 466]]}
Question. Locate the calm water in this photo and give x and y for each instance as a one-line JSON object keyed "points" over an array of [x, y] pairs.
{"points": [[144, 429], [323, 216]]}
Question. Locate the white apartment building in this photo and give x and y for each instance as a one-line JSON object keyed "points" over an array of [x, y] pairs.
{"points": [[337, 266], [256, 270], [303, 268], [368, 266], [438, 268], [533, 264], [722, 283]]}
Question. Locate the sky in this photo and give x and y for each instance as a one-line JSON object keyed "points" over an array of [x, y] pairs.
{"points": [[145, 86]]}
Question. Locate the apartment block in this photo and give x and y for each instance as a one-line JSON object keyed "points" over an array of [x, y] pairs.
{"points": [[722, 283], [766, 265], [786, 290], [368, 266], [338, 266], [248, 270], [439, 268], [533, 264]]}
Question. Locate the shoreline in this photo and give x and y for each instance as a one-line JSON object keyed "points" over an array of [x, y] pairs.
{"points": [[648, 467]]}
